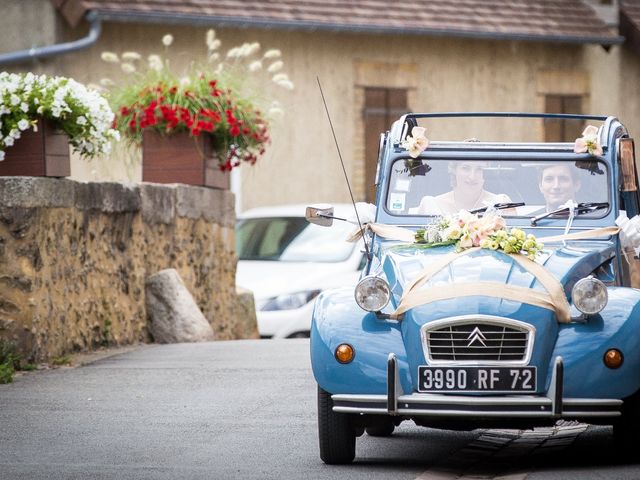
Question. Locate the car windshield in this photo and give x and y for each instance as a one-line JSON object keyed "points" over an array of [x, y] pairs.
{"points": [[292, 239], [443, 187]]}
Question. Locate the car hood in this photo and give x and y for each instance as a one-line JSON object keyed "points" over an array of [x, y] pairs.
{"points": [[269, 279], [402, 264]]}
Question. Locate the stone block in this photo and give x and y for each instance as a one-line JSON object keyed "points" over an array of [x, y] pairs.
{"points": [[158, 203], [107, 197], [32, 192], [246, 323], [211, 204]]}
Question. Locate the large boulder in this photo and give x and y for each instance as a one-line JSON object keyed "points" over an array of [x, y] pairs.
{"points": [[174, 315]]}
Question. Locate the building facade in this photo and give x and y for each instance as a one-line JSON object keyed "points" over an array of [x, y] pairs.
{"points": [[374, 60]]}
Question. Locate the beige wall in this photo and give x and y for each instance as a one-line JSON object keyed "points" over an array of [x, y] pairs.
{"points": [[38, 18], [445, 74]]}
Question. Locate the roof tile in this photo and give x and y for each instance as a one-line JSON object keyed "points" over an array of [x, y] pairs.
{"points": [[568, 20]]}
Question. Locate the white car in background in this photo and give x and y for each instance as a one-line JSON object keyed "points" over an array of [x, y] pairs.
{"points": [[287, 262]]}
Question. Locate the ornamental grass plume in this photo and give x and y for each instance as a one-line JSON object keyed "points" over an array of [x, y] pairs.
{"points": [[219, 97]]}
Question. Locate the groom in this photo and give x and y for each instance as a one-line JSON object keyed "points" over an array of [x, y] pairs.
{"points": [[558, 184]]}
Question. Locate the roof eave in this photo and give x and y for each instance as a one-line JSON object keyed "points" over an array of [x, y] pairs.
{"points": [[242, 22]]}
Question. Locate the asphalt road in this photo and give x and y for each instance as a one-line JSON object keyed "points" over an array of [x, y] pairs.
{"points": [[246, 410]]}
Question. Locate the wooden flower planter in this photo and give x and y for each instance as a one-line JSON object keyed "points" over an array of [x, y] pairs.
{"points": [[180, 158], [44, 153]]}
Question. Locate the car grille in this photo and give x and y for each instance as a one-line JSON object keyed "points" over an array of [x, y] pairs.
{"points": [[478, 341]]}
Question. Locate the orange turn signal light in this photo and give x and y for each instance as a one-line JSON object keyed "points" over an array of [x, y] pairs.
{"points": [[344, 353], [613, 358]]}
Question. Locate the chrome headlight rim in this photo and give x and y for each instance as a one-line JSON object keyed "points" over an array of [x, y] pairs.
{"points": [[369, 285], [577, 295]]}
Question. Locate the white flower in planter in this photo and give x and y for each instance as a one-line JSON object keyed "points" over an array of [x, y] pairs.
{"points": [[83, 114]]}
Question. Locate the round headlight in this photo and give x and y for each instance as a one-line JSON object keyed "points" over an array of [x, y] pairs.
{"points": [[589, 295], [372, 294]]}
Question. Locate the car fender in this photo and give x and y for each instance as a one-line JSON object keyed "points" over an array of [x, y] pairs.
{"points": [[337, 319], [582, 347]]}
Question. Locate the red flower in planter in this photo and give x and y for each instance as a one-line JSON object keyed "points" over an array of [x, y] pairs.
{"points": [[205, 100]]}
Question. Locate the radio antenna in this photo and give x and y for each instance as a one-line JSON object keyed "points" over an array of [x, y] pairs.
{"points": [[344, 170]]}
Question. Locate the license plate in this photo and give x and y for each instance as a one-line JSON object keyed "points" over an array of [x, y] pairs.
{"points": [[476, 379]]}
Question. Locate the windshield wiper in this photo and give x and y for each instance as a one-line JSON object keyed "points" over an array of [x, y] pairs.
{"points": [[581, 208], [498, 206]]}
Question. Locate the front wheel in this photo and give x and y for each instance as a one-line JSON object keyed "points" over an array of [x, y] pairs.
{"points": [[336, 432]]}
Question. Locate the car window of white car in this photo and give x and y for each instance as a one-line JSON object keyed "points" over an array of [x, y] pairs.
{"points": [[292, 239], [320, 244]]}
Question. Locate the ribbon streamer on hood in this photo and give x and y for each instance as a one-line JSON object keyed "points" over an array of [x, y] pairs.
{"points": [[553, 299]]}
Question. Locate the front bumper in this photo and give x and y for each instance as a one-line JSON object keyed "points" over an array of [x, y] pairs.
{"points": [[552, 405]]}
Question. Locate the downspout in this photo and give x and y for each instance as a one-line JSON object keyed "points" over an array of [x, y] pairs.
{"points": [[34, 53]]}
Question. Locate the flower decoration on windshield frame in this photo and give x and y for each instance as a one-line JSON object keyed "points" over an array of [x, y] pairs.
{"points": [[224, 96], [417, 142], [81, 112], [588, 143], [466, 230]]}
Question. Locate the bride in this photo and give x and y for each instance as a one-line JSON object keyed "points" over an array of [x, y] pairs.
{"points": [[467, 181]]}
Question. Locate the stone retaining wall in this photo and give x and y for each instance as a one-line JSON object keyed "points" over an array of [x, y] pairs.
{"points": [[74, 258]]}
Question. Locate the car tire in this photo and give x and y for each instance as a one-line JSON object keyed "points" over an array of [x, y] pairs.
{"points": [[336, 432], [384, 429], [626, 430]]}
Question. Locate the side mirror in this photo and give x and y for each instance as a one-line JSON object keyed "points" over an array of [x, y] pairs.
{"points": [[320, 215]]}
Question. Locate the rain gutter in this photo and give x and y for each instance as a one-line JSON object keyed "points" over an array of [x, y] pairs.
{"points": [[243, 22], [95, 28]]}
